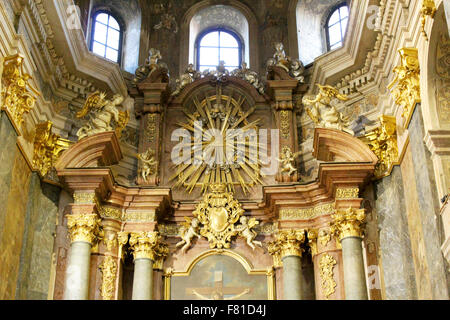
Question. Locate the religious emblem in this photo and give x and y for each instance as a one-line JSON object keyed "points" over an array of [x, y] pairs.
{"points": [[104, 115], [225, 152], [218, 213]]}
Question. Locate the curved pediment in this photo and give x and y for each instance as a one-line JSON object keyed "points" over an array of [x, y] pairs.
{"points": [[332, 145], [99, 150]]}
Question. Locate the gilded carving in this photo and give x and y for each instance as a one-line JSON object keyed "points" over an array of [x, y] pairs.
{"points": [[383, 143], [104, 115], [139, 216], [84, 197], [109, 272], [150, 131], [147, 245], [323, 111], [84, 227], [306, 213], [407, 81], [47, 147], [18, 96], [428, 10], [312, 241], [326, 265], [285, 124], [324, 237], [286, 243], [147, 164], [110, 212], [110, 240], [347, 193], [348, 223], [288, 160]]}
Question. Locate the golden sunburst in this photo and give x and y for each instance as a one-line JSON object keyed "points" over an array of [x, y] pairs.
{"points": [[216, 161]]}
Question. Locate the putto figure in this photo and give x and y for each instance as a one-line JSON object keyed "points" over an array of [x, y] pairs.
{"points": [[245, 230], [189, 76], [323, 109], [294, 67], [188, 232], [150, 65], [148, 163], [287, 160], [104, 115], [250, 76]]}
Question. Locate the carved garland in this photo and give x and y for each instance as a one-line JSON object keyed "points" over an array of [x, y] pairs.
{"points": [[326, 265]]}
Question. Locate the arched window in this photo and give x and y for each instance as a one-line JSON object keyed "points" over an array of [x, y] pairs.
{"points": [[106, 38], [217, 45], [336, 26]]}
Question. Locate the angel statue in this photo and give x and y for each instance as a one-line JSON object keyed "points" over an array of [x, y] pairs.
{"points": [[245, 230], [148, 163], [294, 67], [287, 160], [188, 231], [151, 64], [323, 109], [250, 76], [189, 76], [102, 113]]}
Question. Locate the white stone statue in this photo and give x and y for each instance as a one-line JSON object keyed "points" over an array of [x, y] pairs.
{"points": [[102, 114], [189, 76], [250, 76], [294, 67], [245, 230], [323, 109], [148, 163], [188, 232]]}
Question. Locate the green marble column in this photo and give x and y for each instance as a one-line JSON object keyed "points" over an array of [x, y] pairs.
{"points": [[143, 279], [77, 272], [292, 280], [354, 273]]}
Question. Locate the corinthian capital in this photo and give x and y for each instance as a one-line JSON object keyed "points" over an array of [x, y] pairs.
{"points": [[348, 223], [147, 245], [84, 227], [287, 243]]}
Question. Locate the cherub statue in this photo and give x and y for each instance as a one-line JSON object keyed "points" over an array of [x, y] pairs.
{"points": [[250, 76], [167, 22], [188, 231], [294, 67], [323, 109], [102, 112], [148, 163], [280, 57], [245, 230], [189, 76], [287, 160]]}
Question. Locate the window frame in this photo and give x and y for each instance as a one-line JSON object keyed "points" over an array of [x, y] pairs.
{"points": [[326, 27], [121, 35], [234, 34]]}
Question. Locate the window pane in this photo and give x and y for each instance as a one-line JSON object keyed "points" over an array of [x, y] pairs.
{"points": [[203, 68], [230, 56], [227, 40], [100, 33], [103, 18], [210, 40], [344, 26], [113, 38], [344, 11], [99, 49], [334, 33], [209, 56], [335, 46], [113, 23], [334, 18], [112, 54]]}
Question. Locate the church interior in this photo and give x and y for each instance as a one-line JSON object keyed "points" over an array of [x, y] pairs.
{"points": [[224, 149]]}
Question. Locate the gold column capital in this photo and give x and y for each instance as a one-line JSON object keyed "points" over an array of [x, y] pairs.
{"points": [[148, 245], [348, 223], [312, 240], [84, 227], [287, 243]]}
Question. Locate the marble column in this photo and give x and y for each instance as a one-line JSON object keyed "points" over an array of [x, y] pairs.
{"points": [[83, 230], [447, 13], [347, 226], [287, 247], [147, 248]]}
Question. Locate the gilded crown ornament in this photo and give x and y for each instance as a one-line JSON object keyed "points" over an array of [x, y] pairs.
{"points": [[407, 82], [84, 227], [17, 95], [348, 223], [48, 147]]}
